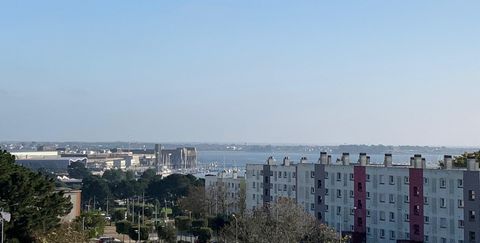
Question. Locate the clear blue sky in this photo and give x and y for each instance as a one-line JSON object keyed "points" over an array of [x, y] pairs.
{"points": [[317, 72]]}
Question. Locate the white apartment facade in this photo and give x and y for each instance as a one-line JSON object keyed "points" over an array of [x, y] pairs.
{"points": [[376, 202]]}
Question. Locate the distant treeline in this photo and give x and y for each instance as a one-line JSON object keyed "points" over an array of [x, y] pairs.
{"points": [[334, 149]]}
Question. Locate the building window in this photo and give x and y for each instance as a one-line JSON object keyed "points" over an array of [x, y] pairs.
{"points": [[416, 210], [253, 184], [382, 233], [312, 206], [312, 174], [381, 179], [368, 177], [319, 200], [294, 188], [425, 200], [339, 176], [416, 229], [406, 180], [368, 213], [471, 195], [368, 231], [443, 223], [368, 195], [460, 203], [360, 221], [319, 216], [471, 215], [381, 197], [392, 217], [407, 218], [426, 219], [339, 210], [443, 203], [425, 180], [326, 208], [294, 175], [359, 204], [351, 194], [339, 193], [312, 190], [426, 238], [460, 183], [326, 175], [471, 236], [284, 174], [406, 199], [416, 192], [326, 192], [319, 183], [460, 223], [391, 198], [360, 187], [392, 235], [391, 180], [351, 176], [253, 196], [382, 216], [443, 183], [285, 187], [352, 211]]}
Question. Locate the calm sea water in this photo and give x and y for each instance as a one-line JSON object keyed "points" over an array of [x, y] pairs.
{"points": [[239, 159]]}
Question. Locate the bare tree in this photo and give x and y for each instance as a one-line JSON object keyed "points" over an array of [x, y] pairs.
{"points": [[218, 200], [195, 202], [284, 221]]}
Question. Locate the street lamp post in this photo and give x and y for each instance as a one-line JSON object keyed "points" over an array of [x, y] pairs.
{"points": [[236, 226]]}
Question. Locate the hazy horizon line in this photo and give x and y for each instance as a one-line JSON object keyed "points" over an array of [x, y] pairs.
{"points": [[243, 143]]}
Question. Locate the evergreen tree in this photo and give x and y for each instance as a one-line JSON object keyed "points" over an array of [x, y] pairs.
{"points": [[32, 200]]}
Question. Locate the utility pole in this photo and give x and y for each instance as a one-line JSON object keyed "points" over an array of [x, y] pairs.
{"points": [[156, 213], [133, 211], [138, 228], [1, 219], [143, 208], [165, 209]]}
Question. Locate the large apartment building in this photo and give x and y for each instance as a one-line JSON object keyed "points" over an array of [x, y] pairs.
{"points": [[376, 202]]}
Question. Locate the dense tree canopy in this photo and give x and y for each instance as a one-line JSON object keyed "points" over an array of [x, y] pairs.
{"points": [[173, 186], [77, 170], [95, 192], [93, 221], [114, 175], [31, 198]]}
